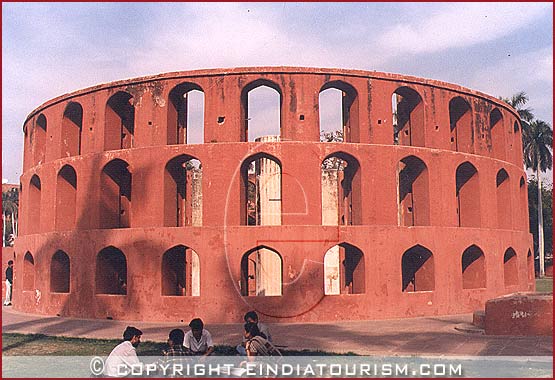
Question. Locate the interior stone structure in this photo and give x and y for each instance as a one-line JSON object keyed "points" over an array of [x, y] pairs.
{"points": [[419, 207]]}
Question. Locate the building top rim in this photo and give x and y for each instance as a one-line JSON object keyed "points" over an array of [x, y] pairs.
{"points": [[370, 74]]}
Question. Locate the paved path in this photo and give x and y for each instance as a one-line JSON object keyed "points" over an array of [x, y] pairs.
{"points": [[415, 336]]}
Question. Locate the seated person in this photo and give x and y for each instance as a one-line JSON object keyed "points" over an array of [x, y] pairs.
{"points": [[256, 344], [174, 353], [198, 341], [124, 355], [252, 317]]}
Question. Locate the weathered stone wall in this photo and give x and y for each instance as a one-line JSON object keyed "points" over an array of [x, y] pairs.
{"points": [[78, 171]]}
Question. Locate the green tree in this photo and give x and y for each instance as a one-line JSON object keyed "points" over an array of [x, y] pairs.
{"points": [[518, 101], [537, 140], [547, 210], [10, 204]]}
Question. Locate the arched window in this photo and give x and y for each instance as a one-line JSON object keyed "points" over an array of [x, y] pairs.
{"points": [[186, 114], [261, 103], [460, 122], [408, 117], [504, 209], [115, 195], [414, 199], [72, 125], [261, 204], [119, 125], [523, 204], [28, 272], [338, 105], [34, 206], [510, 267], [40, 139], [111, 272], [261, 272], [341, 190], [180, 272], [473, 268], [59, 273], [183, 192], [468, 195], [66, 190], [417, 266], [344, 270], [497, 133]]}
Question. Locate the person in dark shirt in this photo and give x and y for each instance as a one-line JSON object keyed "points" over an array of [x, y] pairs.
{"points": [[9, 282], [173, 355]]}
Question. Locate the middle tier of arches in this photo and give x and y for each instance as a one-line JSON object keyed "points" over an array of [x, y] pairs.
{"points": [[266, 183]]}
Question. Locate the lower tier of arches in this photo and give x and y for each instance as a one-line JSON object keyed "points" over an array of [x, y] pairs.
{"points": [[286, 273]]}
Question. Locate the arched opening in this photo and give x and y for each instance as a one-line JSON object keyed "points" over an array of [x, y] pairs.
{"points": [[72, 125], [66, 190], [414, 199], [33, 209], [261, 272], [460, 122], [261, 204], [341, 190], [119, 126], [338, 106], [497, 133], [40, 139], [408, 117], [180, 272], [186, 115], [523, 203], [417, 265], [28, 272], [344, 270], [473, 268], [115, 195], [111, 272], [468, 195], [261, 103], [183, 192], [504, 209], [510, 267], [530, 265], [59, 273]]}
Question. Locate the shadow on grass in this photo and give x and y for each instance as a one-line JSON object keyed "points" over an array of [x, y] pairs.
{"points": [[38, 344]]}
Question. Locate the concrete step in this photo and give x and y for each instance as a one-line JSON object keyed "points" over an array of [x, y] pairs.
{"points": [[469, 328]]}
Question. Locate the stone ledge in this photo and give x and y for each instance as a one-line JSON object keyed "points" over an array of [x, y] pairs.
{"points": [[520, 314]]}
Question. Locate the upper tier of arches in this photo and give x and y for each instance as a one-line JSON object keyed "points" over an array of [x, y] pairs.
{"points": [[217, 106]]}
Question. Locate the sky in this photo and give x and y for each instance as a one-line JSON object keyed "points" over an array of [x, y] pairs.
{"points": [[49, 49]]}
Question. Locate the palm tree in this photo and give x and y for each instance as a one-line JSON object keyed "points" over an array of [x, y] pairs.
{"points": [[517, 101], [537, 140]]}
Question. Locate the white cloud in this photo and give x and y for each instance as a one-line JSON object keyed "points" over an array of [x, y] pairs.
{"points": [[530, 72], [459, 25]]}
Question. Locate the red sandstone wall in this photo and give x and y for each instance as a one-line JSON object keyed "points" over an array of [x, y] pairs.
{"points": [[301, 240]]}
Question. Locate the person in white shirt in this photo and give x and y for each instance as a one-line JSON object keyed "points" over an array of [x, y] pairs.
{"points": [[124, 356], [198, 340]]}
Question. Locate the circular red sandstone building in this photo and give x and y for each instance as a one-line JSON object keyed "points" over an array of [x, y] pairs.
{"points": [[416, 205]]}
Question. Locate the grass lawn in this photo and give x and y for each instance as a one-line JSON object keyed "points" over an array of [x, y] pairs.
{"points": [[544, 284], [38, 344]]}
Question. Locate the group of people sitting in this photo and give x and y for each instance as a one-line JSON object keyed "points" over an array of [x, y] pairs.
{"points": [[257, 341]]}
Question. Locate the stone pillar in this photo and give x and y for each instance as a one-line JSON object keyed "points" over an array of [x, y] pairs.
{"points": [[268, 273], [330, 197], [195, 274], [269, 188], [331, 271], [196, 202]]}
